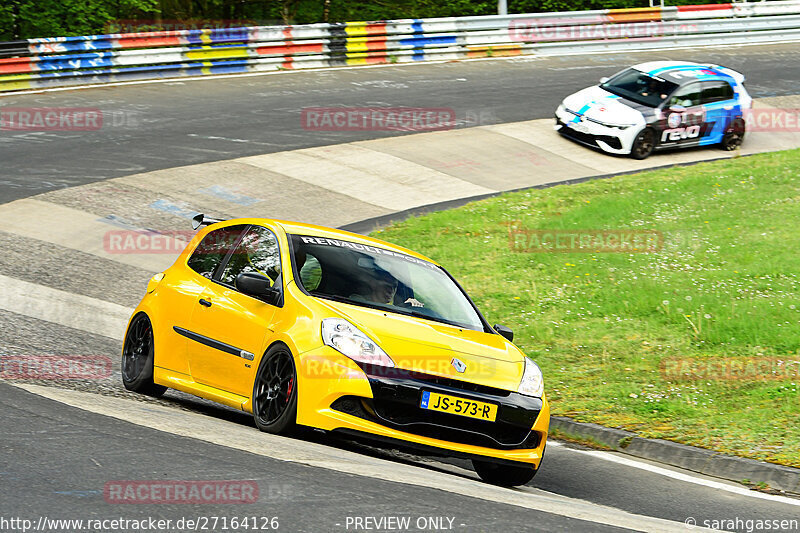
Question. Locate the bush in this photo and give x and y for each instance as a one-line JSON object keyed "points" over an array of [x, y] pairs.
{"points": [[52, 18]]}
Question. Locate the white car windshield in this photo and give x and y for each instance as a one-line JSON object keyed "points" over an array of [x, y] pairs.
{"points": [[640, 87], [375, 277]]}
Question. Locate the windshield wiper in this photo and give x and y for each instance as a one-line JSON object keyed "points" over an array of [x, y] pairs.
{"points": [[417, 314]]}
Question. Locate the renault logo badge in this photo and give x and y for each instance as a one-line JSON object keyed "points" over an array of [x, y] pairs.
{"points": [[459, 365]]}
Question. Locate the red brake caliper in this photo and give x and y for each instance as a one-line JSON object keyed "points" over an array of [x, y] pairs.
{"points": [[289, 390]]}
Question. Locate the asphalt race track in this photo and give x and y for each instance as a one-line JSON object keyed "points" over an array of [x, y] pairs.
{"points": [[176, 123], [62, 442]]}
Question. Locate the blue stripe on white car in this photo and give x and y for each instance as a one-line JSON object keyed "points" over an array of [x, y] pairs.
{"points": [[614, 123]]}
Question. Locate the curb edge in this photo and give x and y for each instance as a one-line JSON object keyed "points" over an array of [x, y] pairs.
{"points": [[700, 460]]}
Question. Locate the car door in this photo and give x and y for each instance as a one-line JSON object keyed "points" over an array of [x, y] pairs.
{"points": [[180, 290], [234, 326], [685, 117], [719, 106]]}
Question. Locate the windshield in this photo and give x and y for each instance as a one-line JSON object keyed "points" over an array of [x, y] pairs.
{"points": [[375, 277], [640, 87]]}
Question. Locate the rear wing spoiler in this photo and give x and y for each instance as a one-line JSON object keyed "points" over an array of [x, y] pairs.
{"points": [[738, 76], [200, 220]]}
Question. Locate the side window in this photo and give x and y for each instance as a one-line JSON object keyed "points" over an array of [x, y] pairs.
{"points": [[716, 91], [212, 250], [687, 96], [257, 252]]}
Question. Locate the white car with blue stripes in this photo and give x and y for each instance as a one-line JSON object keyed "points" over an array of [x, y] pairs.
{"points": [[658, 105]]}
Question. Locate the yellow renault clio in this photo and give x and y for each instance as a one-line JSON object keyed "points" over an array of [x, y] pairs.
{"points": [[304, 325]]}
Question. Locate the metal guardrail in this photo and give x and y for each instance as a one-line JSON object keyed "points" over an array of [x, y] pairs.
{"points": [[65, 61]]}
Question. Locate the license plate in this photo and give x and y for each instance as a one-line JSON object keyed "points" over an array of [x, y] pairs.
{"points": [[578, 126], [458, 406]]}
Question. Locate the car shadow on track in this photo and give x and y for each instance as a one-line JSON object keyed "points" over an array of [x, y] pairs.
{"points": [[452, 466]]}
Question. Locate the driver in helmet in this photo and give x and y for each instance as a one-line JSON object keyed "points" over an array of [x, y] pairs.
{"points": [[380, 287]]}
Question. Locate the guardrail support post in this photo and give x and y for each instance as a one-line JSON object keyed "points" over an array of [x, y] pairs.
{"points": [[502, 7]]}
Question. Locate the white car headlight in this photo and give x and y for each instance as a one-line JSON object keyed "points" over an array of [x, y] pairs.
{"points": [[532, 383], [344, 337]]}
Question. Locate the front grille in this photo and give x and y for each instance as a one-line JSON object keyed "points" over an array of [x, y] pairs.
{"points": [[588, 139]]}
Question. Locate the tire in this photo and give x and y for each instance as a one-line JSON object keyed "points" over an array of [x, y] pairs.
{"points": [[275, 392], [734, 135], [503, 475], [138, 353], [644, 144]]}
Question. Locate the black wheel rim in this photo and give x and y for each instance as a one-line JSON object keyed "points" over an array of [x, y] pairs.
{"points": [[644, 143], [276, 383], [734, 140], [138, 344]]}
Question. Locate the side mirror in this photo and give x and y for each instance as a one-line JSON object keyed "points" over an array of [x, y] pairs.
{"points": [[504, 331], [257, 286], [604, 79]]}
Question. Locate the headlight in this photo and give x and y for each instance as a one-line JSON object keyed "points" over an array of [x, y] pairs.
{"points": [[532, 383], [344, 337], [610, 124]]}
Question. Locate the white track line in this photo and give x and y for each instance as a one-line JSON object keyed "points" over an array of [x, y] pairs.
{"points": [[680, 476], [237, 436]]}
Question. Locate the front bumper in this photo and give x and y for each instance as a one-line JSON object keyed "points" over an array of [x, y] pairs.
{"points": [[610, 139], [383, 404]]}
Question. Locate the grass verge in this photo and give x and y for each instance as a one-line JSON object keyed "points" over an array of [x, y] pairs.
{"points": [[697, 342], [589, 442]]}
